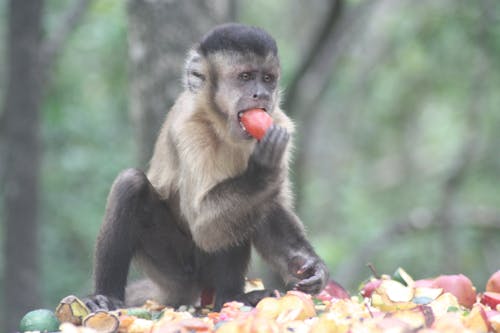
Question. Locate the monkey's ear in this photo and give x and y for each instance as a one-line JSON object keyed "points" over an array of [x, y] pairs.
{"points": [[195, 75]]}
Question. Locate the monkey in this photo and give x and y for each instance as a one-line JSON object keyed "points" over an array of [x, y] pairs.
{"points": [[212, 191]]}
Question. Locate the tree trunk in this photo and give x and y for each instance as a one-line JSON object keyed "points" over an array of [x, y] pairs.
{"points": [[160, 33], [30, 62], [22, 159]]}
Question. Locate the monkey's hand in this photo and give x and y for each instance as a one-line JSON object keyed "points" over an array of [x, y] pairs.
{"points": [[313, 275], [268, 153], [253, 297], [101, 302]]}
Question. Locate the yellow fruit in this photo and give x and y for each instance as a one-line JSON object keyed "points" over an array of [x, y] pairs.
{"points": [[269, 307], [72, 310], [477, 319], [444, 302], [102, 322], [261, 325], [325, 324], [296, 301]]}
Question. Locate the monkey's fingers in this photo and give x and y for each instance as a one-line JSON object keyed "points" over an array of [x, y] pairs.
{"points": [[267, 145], [269, 151], [277, 141], [311, 285], [306, 267], [260, 147], [100, 302], [280, 145]]}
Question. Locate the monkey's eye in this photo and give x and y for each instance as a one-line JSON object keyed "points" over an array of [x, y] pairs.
{"points": [[245, 76], [268, 78]]}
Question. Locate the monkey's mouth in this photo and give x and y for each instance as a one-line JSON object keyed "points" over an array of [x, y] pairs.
{"points": [[242, 126]]}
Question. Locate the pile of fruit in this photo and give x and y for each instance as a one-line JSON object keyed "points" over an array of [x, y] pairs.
{"points": [[448, 303]]}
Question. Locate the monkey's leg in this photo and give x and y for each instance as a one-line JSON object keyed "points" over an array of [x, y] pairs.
{"points": [[131, 204], [227, 273]]}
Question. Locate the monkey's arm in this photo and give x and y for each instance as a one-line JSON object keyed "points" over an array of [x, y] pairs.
{"points": [[281, 241], [229, 212]]}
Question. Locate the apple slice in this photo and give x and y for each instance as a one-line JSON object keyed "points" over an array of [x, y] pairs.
{"points": [[417, 317], [443, 304], [403, 277], [494, 320], [490, 298], [296, 305], [370, 287], [256, 122], [269, 307], [424, 283], [333, 290], [477, 320], [397, 292], [431, 293]]}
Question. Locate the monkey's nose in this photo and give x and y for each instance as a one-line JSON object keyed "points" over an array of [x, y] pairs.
{"points": [[261, 96]]}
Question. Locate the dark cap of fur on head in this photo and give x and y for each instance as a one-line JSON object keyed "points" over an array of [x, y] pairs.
{"points": [[239, 38]]}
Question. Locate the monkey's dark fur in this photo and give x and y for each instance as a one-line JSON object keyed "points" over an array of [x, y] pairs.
{"points": [[212, 191], [239, 38]]}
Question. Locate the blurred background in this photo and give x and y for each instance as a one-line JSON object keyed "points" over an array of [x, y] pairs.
{"points": [[397, 105]]}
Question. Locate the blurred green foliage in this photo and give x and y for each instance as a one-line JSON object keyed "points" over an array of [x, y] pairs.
{"points": [[87, 140], [391, 126]]}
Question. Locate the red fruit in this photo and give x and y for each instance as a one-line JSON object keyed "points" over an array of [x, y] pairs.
{"points": [[491, 298], [494, 320], [493, 283], [492, 313], [333, 290], [424, 283], [256, 122], [370, 287], [458, 285]]}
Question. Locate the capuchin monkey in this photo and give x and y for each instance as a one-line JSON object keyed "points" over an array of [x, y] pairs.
{"points": [[211, 191]]}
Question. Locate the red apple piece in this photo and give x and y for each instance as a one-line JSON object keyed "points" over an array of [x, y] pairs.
{"points": [[493, 283], [333, 290], [424, 283], [494, 320], [370, 287], [490, 298], [458, 285], [256, 122]]}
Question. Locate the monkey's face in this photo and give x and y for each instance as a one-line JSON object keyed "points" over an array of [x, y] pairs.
{"points": [[243, 83]]}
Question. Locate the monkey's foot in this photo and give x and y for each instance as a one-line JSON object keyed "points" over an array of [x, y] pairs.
{"points": [[103, 303]]}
